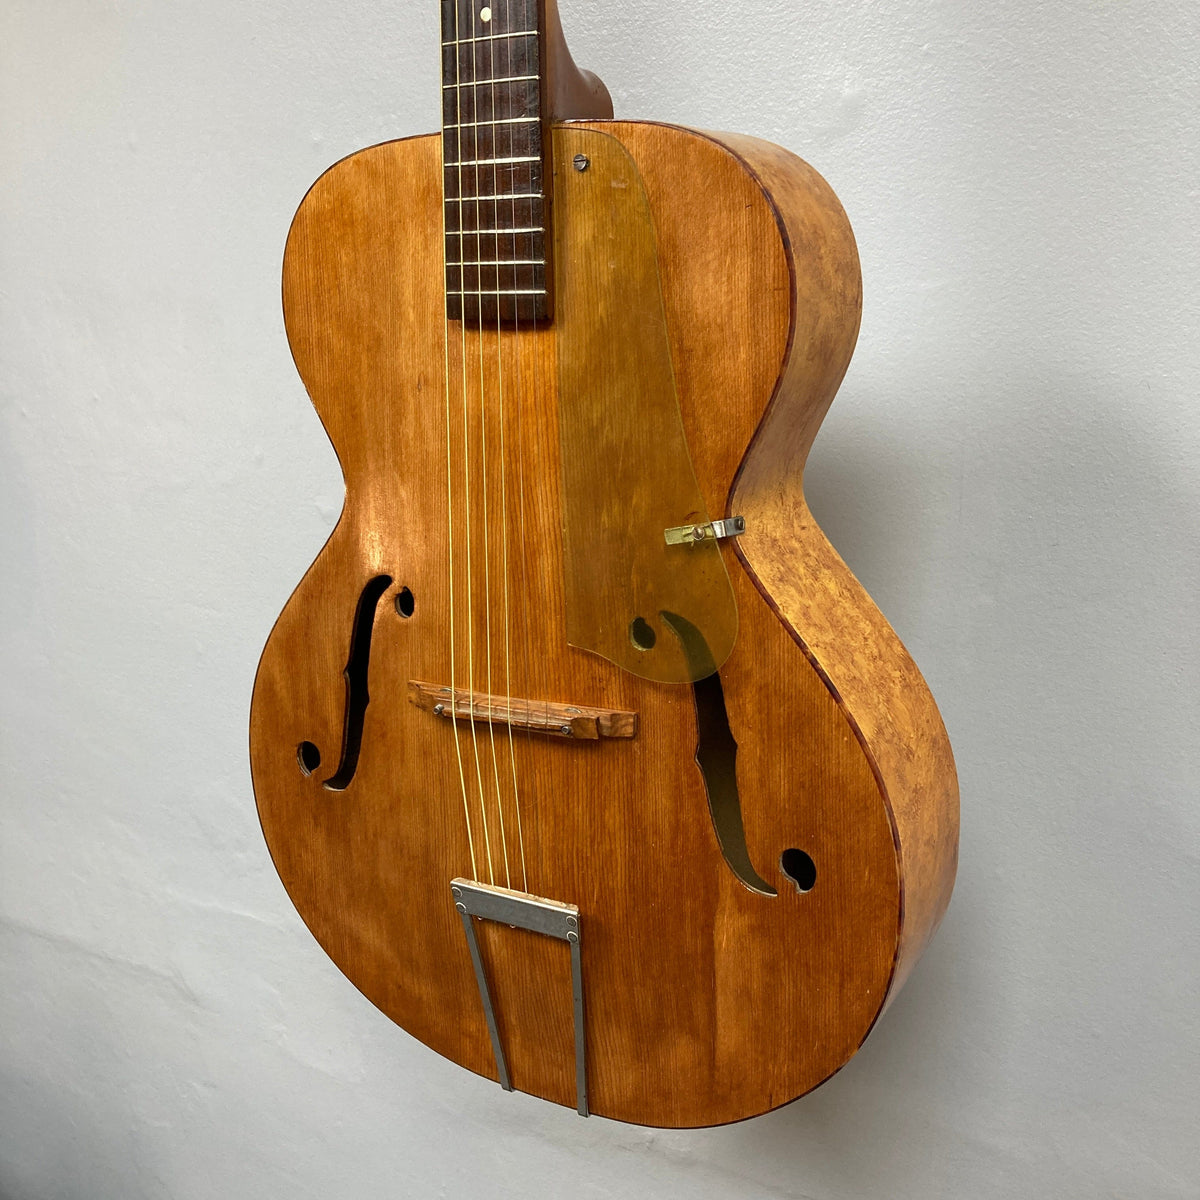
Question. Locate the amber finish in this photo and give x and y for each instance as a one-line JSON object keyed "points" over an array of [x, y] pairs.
{"points": [[706, 1002]]}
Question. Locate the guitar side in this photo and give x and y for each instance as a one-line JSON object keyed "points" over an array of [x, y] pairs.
{"points": [[850, 642]]}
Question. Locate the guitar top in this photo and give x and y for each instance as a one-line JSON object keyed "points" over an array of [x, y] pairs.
{"points": [[578, 748]]}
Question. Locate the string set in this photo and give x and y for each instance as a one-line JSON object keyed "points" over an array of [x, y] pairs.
{"points": [[482, 498]]}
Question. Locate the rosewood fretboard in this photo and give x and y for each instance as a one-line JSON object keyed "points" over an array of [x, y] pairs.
{"points": [[493, 154]]}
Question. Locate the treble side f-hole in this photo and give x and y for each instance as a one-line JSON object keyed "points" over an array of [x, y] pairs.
{"points": [[357, 668], [716, 754], [799, 868], [642, 634]]}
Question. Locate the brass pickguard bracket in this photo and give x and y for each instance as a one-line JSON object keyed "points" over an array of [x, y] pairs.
{"points": [[708, 531]]}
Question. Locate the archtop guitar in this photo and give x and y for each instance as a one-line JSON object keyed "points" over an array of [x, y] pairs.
{"points": [[578, 748]]}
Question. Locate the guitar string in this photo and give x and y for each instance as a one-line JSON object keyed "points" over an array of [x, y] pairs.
{"points": [[483, 424], [512, 757], [528, 676], [540, 685], [530, 689], [487, 840], [462, 778], [547, 232]]}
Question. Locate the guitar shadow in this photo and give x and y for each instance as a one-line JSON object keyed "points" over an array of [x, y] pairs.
{"points": [[1025, 545]]}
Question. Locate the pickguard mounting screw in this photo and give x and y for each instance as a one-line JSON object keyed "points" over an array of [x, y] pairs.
{"points": [[582, 162]]}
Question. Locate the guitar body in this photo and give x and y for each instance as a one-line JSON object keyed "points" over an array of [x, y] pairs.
{"points": [[706, 1000]]}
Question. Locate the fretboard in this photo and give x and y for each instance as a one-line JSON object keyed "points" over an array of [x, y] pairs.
{"points": [[493, 161]]}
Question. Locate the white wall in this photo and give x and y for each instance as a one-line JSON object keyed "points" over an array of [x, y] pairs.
{"points": [[1011, 469]]}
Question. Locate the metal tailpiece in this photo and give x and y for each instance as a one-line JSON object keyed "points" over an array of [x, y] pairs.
{"points": [[523, 911]]}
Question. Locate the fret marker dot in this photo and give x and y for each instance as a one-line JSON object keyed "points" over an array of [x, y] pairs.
{"points": [[485, 15]]}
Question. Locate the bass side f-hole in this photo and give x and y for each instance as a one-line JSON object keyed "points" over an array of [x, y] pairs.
{"points": [[357, 694]]}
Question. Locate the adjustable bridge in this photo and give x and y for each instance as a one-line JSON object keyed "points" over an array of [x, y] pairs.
{"points": [[522, 911], [540, 716]]}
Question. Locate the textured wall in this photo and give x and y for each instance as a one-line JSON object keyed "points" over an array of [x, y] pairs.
{"points": [[1011, 469]]}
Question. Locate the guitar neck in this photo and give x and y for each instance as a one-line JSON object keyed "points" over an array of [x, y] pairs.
{"points": [[494, 148]]}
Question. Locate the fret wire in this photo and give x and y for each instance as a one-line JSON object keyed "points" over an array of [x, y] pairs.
{"points": [[497, 121], [488, 162], [492, 37], [495, 292], [489, 82], [500, 196]]}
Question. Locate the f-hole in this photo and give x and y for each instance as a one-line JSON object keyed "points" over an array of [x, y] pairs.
{"points": [[357, 696], [716, 754]]}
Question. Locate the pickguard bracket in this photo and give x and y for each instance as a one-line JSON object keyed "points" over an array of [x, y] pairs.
{"points": [[708, 531], [523, 911]]}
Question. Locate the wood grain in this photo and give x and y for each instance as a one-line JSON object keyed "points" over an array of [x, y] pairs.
{"points": [[706, 1002]]}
